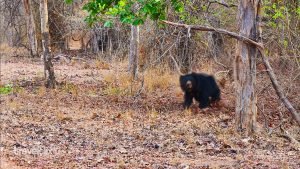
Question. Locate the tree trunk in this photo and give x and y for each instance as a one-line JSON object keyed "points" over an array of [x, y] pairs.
{"points": [[245, 67], [48, 66], [133, 53], [183, 48], [30, 28], [215, 40]]}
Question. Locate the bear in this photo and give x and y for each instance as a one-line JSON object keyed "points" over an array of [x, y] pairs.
{"points": [[201, 87]]}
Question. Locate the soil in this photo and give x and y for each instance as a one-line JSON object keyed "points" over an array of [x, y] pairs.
{"points": [[79, 125]]}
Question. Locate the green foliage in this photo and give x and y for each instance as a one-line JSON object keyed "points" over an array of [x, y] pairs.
{"points": [[68, 1], [108, 24], [6, 89], [133, 12], [298, 12]]}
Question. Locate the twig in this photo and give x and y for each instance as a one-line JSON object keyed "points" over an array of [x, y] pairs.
{"points": [[265, 118], [176, 64], [222, 71], [278, 89], [291, 138], [223, 4], [159, 57], [219, 63], [278, 126], [263, 89]]}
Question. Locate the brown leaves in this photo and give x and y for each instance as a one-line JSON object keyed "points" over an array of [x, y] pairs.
{"points": [[78, 125]]}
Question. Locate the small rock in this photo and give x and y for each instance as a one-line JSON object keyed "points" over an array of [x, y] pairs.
{"points": [[122, 150]]}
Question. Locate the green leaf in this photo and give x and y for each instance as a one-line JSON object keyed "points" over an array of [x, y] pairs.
{"points": [[108, 24], [285, 43], [68, 1], [6, 89], [138, 22]]}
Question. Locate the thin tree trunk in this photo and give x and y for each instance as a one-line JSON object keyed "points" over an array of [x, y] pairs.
{"points": [[183, 47], [133, 53], [30, 28], [245, 67], [48, 66], [215, 40], [94, 41]]}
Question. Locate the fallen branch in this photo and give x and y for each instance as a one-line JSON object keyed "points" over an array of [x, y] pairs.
{"points": [[278, 89], [260, 47], [292, 139]]}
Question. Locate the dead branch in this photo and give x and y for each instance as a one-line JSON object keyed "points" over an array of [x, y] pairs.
{"points": [[278, 126], [148, 65], [222, 3], [278, 88], [176, 65], [291, 138], [62, 57], [222, 31], [260, 47]]}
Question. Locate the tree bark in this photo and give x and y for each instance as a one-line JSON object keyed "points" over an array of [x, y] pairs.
{"points": [[183, 49], [245, 67], [215, 40], [48, 66], [133, 53], [30, 28]]}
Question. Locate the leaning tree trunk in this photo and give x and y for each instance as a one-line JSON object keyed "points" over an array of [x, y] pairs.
{"points": [[245, 67], [48, 66], [133, 53], [30, 28]]}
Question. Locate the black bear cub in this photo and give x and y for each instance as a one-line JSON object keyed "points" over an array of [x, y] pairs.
{"points": [[200, 86]]}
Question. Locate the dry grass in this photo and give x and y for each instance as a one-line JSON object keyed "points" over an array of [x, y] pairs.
{"points": [[120, 83], [117, 83], [157, 79], [99, 64], [14, 51], [41, 91], [153, 116], [70, 88], [63, 117]]}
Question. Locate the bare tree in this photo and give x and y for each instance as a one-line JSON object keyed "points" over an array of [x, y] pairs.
{"points": [[13, 21], [48, 66], [184, 50], [30, 28], [133, 54], [245, 67]]}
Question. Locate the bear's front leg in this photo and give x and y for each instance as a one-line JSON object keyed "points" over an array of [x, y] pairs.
{"points": [[188, 100]]}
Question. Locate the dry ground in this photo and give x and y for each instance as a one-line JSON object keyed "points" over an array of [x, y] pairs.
{"points": [[92, 120]]}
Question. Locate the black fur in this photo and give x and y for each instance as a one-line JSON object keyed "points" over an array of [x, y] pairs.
{"points": [[200, 86]]}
